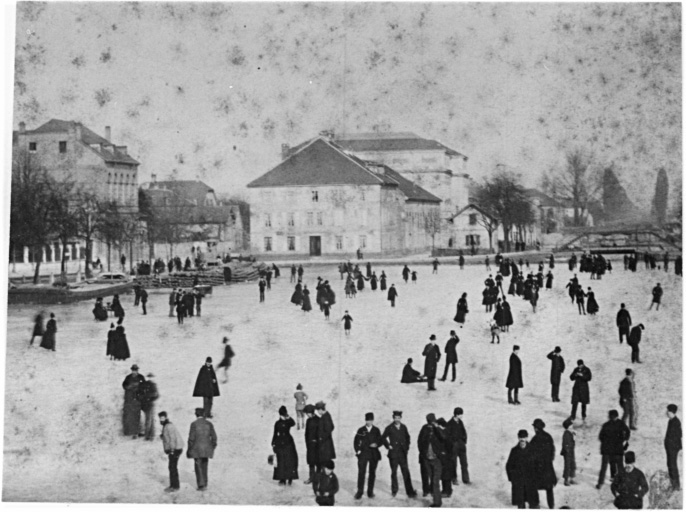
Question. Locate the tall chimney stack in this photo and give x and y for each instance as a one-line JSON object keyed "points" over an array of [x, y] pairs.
{"points": [[108, 133], [22, 127]]}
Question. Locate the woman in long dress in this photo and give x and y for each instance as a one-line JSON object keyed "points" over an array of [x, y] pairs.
{"points": [[307, 304], [382, 281], [111, 341], [132, 406], [38, 329], [591, 304], [121, 345], [297, 297], [462, 310], [286, 468], [117, 308], [48, 340], [507, 315]]}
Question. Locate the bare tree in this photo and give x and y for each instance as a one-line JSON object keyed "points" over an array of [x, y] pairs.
{"points": [[490, 223], [579, 183], [432, 224], [65, 218], [109, 226]]}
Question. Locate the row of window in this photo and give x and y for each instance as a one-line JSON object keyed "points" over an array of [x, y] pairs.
{"points": [[314, 218], [291, 245], [268, 195], [52, 252], [61, 146]]}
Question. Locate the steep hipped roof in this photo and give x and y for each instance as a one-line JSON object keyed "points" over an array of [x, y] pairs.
{"points": [[319, 162], [412, 191], [475, 207], [193, 191], [109, 152], [404, 141], [545, 200]]}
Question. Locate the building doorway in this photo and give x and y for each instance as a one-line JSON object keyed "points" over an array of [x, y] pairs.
{"points": [[315, 246]]}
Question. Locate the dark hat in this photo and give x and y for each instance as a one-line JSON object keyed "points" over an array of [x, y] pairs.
{"points": [[432, 337], [522, 434], [516, 347], [299, 386], [457, 411], [538, 423], [369, 416], [329, 464], [309, 409], [409, 359], [225, 339], [162, 413], [628, 371], [283, 411], [622, 304], [208, 360], [112, 325], [320, 405], [199, 411], [430, 418], [442, 422], [134, 367], [629, 457], [398, 414], [613, 413], [672, 408], [120, 321], [642, 326], [452, 332], [580, 361], [567, 423]]}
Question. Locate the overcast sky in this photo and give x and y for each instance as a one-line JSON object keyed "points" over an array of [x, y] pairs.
{"points": [[212, 90]]}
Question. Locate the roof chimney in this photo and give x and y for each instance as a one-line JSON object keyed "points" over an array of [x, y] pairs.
{"points": [[22, 127], [285, 149], [108, 133]]}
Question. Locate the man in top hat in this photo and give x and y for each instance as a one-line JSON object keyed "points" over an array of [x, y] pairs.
{"points": [[634, 341], [451, 355], [543, 449], [396, 438], [514, 377], [325, 428], [623, 322], [173, 447], [206, 386], [557, 368], [521, 472], [311, 443], [457, 437], [366, 445], [673, 445], [614, 439], [630, 485], [432, 354], [431, 449], [202, 440], [581, 375]]}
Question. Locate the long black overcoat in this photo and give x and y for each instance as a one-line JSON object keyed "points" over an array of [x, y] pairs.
{"points": [[521, 472], [543, 448], [432, 354], [325, 445], [514, 376], [451, 349], [311, 426], [581, 378], [206, 383]]}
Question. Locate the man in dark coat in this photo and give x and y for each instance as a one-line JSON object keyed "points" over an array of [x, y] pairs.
{"points": [[634, 341], [311, 426], [366, 445], [630, 485], [396, 439], [410, 375], [202, 440], [521, 472], [581, 375], [673, 445], [457, 437], [614, 438], [432, 354], [392, 295], [514, 377], [543, 448], [657, 297], [325, 427], [557, 368], [627, 399], [326, 485], [147, 394], [143, 295], [226, 361], [451, 355], [262, 284], [206, 386], [431, 449], [623, 322]]}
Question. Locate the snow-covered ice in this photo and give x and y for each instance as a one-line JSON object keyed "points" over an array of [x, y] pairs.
{"points": [[63, 438]]}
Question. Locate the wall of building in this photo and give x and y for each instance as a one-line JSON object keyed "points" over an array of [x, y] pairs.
{"points": [[463, 229]]}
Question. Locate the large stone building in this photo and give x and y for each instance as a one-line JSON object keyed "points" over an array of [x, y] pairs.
{"points": [[323, 200], [70, 150]]}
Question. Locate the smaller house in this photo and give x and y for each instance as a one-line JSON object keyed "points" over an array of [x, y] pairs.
{"points": [[468, 229]]}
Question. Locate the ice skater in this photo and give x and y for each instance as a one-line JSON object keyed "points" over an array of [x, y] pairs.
{"points": [[300, 403], [347, 322], [392, 295], [657, 297], [226, 361], [414, 277], [495, 331], [38, 329], [48, 340], [623, 322], [514, 380], [581, 375], [262, 284], [406, 273]]}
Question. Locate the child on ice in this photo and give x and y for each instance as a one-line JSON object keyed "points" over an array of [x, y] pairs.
{"points": [[327, 309], [300, 402], [495, 331]]}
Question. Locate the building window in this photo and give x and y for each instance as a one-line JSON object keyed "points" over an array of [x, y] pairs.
{"points": [[291, 219], [63, 146], [310, 218], [291, 243], [339, 243], [268, 220], [473, 240], [319, 219], [33, 146], [315, 196], [472, 219], [363, 241], [267, 244]]}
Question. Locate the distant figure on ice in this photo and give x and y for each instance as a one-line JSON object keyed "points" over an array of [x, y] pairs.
{"points": [[630, 485], [549, 280], [48, 340], [488, 264], [326, 485], [457, 439], [326, 308], [591, 304], [410, 375], [557, 368], [147, 394], [293, 273], [568, 451], [614, 438], [262, 284], [462, 310], [432, 354], [406, 273], [431, 444], [311, 443], [414, 277], [623, 322], [521, 472], [435, 264], [307, 303], [392, 295], [673, 445], [121, 345], [132, 405], [382, 281], [117, 308], [300, 403], [172, 443], [143, 297], [226, 361], [627, 399], [657, 297], [543, 449], [366, 445], [206, 386], [325, 447], [514, 380], [581, 375], [202, 441], [301, 271], [460, 261], [286, 469], [99, 311], [347, 322], [580, 296], [495, 331], [111, 340], [634, 341], [396, 439], [180, 311], [451, 355], [297, 297], [172, 302], [374, 281]]}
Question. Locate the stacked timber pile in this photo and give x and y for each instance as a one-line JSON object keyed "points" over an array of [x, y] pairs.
{"points": [[215, 277]]}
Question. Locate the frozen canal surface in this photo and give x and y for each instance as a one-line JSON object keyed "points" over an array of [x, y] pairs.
{"points": [[63, 438]]}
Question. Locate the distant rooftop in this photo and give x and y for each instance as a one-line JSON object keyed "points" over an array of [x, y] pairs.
{"points": [[390, 141]]}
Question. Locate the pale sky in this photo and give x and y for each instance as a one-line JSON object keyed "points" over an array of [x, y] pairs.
{"points": [[212, 90]]}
